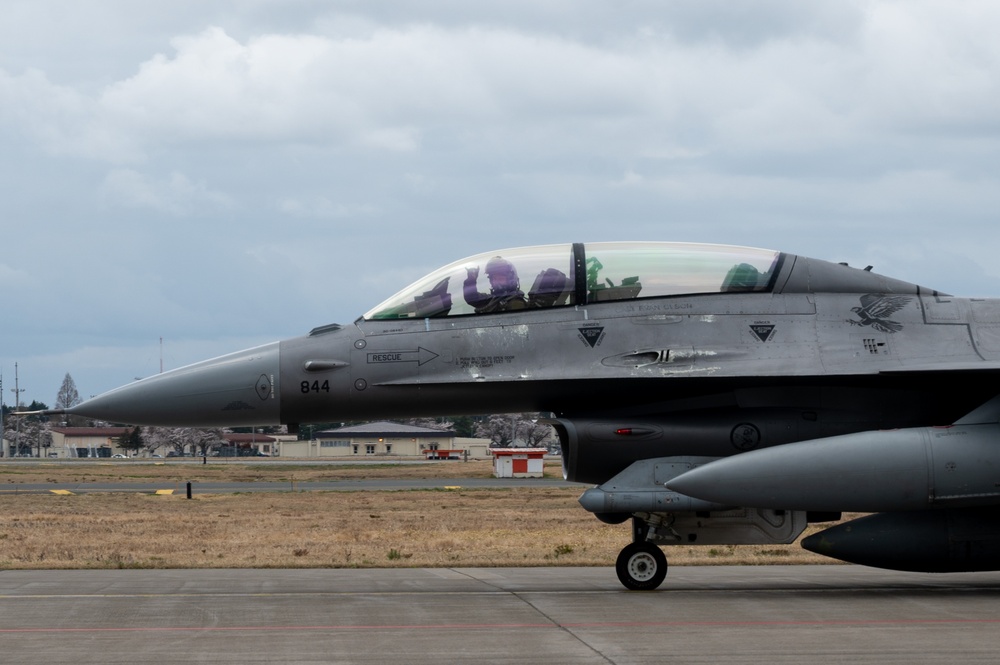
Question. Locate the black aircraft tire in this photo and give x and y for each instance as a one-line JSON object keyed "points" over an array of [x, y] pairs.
{"points": [[641, 567]]}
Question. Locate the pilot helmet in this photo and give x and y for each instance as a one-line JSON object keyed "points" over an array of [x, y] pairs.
{"points": [[503, 276]]}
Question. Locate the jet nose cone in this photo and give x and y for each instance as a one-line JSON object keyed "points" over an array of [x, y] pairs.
{"points": [[237, 389]]}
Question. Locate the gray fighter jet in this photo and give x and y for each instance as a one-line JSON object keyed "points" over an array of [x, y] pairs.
{"points": [[711, 394]]}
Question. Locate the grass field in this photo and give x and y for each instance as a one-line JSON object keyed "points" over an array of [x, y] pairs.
{"points": [[527, 526], [137, 471]]}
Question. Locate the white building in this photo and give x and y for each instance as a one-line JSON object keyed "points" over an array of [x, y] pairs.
{"points": [[85, 441], [387, 439]]}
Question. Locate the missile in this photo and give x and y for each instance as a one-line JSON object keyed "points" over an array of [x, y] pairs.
{"points": [[881, 471]]}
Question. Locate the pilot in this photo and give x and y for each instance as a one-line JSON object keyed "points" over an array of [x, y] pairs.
{"points": [[505, 288]]}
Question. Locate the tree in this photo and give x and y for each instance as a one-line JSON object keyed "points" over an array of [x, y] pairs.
{"points": [[464, 426], [68, 395], [157, 437], [442, 424], [178, 438], [460, 425], [259, 429], [35, 406], [515, 429], [206, 439], [533, 433], [26, 435], [497, 429], [131, 441]]}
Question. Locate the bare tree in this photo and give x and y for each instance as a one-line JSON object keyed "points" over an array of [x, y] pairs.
{"points": [[204, 440], [497, 429], [178, 439], [533, 433], [68, 395], [159, 437], [429, 423], [520, 429]]}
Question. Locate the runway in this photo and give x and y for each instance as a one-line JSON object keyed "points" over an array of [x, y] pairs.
{"points": [[770, 614]]}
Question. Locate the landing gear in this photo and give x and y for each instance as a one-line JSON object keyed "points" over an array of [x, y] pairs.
{"points": [[641, 566]]}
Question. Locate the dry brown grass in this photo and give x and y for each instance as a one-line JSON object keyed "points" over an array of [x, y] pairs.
{"points": [[137, 471], [456, 528]]}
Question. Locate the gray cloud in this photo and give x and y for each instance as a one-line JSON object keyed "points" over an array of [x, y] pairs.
{"points": [[213, 171]]}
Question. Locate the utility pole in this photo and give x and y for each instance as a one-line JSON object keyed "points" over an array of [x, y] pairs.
{"points": [[17, 390]]}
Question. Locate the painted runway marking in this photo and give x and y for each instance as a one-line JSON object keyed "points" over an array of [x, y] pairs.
{"points": [[509, 626]]}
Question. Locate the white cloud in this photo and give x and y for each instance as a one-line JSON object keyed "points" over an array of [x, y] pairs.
{"points": [[316, 155], [408, 88], [931, 66], [321, 207], [60, 119], [175, 194]]}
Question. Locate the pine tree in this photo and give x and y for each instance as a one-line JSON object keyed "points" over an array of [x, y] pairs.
{"points": [[131, 441]]}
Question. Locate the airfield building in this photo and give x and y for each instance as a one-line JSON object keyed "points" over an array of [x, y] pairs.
{"points": [[387, 439]]}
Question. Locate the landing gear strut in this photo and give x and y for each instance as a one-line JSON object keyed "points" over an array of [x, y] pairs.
{"points": [[641, 566]]}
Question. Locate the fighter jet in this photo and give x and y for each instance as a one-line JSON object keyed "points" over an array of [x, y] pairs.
{"points": [[710, 394]]}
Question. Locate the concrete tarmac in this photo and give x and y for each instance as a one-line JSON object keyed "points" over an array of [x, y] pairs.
{"points": [[731, 614]]}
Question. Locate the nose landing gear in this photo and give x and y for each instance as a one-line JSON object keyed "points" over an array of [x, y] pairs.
{"points": [[641, 566]]}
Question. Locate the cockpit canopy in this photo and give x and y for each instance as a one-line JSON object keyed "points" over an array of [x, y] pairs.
{"points": [[577, 274]]}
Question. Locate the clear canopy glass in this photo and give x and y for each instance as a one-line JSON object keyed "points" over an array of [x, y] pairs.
{"points": [[545, 276], [625, 270]]}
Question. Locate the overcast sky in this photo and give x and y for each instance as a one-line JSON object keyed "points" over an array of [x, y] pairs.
{"points": [[223, 174]]}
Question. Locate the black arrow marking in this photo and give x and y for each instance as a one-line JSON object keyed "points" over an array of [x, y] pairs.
{"points": [[420, 356]]}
